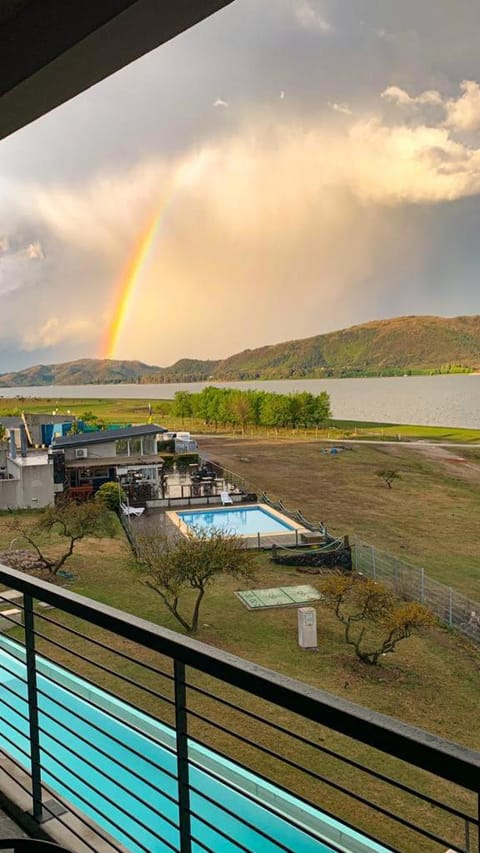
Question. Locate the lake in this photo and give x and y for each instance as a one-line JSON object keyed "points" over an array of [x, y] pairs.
{"points": [[429, 400]]}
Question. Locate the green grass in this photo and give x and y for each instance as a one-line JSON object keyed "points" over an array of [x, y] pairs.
{"points": [[122, 411], [432, 681]]}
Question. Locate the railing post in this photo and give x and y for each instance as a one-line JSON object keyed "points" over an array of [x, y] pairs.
{"points": [[182, 756], [37, 810], [258, 541], [296, 536]]}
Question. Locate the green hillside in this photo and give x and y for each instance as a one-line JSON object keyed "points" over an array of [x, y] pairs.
{"points": [[379, 348]]}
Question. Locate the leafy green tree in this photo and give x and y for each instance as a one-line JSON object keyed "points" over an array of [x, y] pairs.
{"points": [[111, 495], [69, 523], [191, 563], [322, 412], [373, 619], [182, 405]]}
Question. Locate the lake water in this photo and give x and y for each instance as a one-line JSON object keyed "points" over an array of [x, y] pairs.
{"points": [[430, 400]]}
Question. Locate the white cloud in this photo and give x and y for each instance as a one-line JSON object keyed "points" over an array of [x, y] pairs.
{"points": [[340, 108], [219, 102], [463, 114], [309, 17], [400, 96], [271, 207], [282, 95], [56, 330]]}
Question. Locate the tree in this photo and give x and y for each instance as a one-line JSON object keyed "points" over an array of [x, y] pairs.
{"points": [[111, 495], [191, 562], [182, 405], [373, 619], [388, 475], [71, 522]]}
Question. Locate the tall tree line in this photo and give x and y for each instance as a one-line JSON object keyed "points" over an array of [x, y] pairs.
{"points": [[229, 406]]}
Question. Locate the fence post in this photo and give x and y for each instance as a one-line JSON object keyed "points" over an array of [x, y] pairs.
{"points": [[37, 810], [296, 536], [258, 540], [356, 552], [422, 585], [450, 607], [374, 568], [182, 756]]}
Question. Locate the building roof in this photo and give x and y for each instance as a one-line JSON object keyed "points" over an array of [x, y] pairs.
{"points": [[10, 422], [114, 461], [52, 50], [83, 439]]}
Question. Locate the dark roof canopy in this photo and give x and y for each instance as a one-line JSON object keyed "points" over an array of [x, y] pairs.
{"points": [[82, 439], [51, 50]]}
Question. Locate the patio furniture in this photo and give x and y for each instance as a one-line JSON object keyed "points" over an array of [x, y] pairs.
{"points": [[225, 498], [136, 511]]}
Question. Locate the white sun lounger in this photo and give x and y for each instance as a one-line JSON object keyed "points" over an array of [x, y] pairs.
{"points": [[225, 498], [136, 511]]}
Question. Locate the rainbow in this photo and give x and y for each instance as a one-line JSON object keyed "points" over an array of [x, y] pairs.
{"points": [[128, 283]]}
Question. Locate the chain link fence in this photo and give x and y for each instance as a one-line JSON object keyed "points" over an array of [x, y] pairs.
{"points": [[413, 584]]}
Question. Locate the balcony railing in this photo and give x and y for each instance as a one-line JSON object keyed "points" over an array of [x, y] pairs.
{"points": [[152, 741]]}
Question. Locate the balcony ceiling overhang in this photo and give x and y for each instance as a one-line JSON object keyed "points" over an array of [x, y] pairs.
{"points": [[51, 50]]}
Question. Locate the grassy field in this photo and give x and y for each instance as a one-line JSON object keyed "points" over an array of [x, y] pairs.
{"points": [[120, 411], [431, 682], [429, 518]]}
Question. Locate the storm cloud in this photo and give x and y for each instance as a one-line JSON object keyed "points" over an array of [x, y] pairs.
{"points": [[313, 164]]}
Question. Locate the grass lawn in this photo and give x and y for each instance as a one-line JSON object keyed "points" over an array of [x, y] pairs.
{"points": [[432, 681], [428, 518], [123, 411]]}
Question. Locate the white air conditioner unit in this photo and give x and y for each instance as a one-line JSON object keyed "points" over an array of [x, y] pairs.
{"points": [[81, 453]]}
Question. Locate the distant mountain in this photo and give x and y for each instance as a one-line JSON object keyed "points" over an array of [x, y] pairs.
{"points": [[380, 348]]}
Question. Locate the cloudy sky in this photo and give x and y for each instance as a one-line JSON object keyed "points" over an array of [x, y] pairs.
{"points": [[314, 164]]}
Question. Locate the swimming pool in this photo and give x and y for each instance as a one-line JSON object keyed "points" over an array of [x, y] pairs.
{"points": [[243, 521], [118, 766]]}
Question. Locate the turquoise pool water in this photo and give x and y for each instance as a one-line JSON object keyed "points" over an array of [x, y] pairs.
{"points": [[243, 522], [105, 757]]}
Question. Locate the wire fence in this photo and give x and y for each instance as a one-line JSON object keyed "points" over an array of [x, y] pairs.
{"points": [[413, 584]]}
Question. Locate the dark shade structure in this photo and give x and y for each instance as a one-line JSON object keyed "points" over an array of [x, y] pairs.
{"points": [[52, 50]]}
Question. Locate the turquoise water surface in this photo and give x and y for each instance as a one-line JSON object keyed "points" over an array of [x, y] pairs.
{"points": [[243, 522], [105, 758]]}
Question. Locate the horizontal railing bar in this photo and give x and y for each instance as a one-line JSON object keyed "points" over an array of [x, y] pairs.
{"points": [[98, 791], [12, 742], [65, 785], [420, 748], [284, 790], [100, 645], [111, 737], [215, 828], [325, 750], [105, 690], [326, 781], [202, 844], [243, 820], [46, 808], [92, 662], [111, 778]]}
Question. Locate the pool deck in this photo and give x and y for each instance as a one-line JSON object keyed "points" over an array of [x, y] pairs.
{"points": [[295, 528], [8, 828]]}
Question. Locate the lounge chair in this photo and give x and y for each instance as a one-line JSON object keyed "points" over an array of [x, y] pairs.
{"points": [[225, 498], [136, 511]]}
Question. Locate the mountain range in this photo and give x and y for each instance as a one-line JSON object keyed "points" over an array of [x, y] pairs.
{"points": [[403, 345]]}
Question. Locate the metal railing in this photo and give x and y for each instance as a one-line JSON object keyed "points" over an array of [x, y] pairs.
{"points": [[158, 741], [414, 584]]}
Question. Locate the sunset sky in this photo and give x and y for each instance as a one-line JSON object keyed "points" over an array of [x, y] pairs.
{"points": [[308, 165]]}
